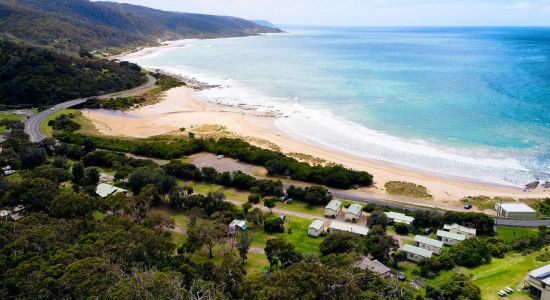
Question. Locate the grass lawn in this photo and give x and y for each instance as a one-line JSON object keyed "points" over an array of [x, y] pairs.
{"points": [[47, 130], [298, 237], [3, 129], [204, 188], [513, 233], [11, 116], [255, 263]]}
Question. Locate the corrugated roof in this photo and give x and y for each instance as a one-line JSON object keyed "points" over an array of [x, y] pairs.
{"points": [[450, 235], [349, 227], [317, 224], [516, 207], [104, 189], [542, 274], [355, 209], [399, 217], [428, 241], [373, 265], [418, 251], [460, 227], [333, 205]]}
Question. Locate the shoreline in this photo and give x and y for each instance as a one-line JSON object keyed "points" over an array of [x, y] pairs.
{"points": [[183, 108]]}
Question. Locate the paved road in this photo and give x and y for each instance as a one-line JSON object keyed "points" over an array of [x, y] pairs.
{"points": [[32, 125]]}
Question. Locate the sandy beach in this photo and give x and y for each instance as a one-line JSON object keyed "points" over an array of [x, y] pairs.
{"points": [[182, 111]]}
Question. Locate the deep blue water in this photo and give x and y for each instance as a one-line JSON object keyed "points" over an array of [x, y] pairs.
{"points": [[469, 102]]}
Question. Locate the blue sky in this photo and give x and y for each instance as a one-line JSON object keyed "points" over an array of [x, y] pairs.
{"points": [[371, 12]]}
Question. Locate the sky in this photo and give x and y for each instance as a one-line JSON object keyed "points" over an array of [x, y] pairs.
{"points": [[370, 12]]}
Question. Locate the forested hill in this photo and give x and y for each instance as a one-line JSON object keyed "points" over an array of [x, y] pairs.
{"points": [[70, 25], [38, 76]]}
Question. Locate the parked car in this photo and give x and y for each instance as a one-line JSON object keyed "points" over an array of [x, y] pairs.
{"points": [[427, 230], [468, 206], [401, 276]]}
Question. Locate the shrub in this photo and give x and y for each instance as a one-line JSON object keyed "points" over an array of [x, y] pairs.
{"points": [[401, 228], [407, 189], [254, 198], [274, 224]]}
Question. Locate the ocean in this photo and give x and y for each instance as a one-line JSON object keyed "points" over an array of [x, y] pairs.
{"points": [[463, 102]]}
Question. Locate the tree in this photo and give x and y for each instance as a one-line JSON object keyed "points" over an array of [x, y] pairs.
{"points": [[204, 232], [150, 285], [340, 242], [401, 228], [274, 224], [54, 174], [269, 203], [91, 277], [32, 157], [470, 253], [77, 171], [92, 176], [246, 207], [60, 162], [243, 244], [147, 175], [457, 286], [377, 217], [139, 206], [254, 198], [317, 195], [89, 145], [380, 245], [36, 194], [280, 251], [71, 205]]}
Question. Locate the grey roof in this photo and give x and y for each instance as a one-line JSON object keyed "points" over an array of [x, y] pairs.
{"points": [[542, 274], [428, 241], [373, 265], [450, 235], [399, 217], [417, 250], [460, 228], [334, 205], [362, 230], [317, 224], [104, 189], [516, 207], [355, 209]]}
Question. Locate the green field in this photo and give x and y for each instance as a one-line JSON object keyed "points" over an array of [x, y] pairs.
{"points": [[47, 130], [11, 116], [513, 233], [298, 237]]}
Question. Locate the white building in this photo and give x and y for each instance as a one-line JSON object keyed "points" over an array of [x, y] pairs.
{"points": [[395, 217], [429, 244], [465, 231], [539, 283], [316, 228], [415, 253], [339, 226], [515, 211], [354, 212], [333, 208], [449, 238], [237, 225], [104, 190]]}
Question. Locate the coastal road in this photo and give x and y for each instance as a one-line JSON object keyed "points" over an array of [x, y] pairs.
{"points": [[32, 125]]}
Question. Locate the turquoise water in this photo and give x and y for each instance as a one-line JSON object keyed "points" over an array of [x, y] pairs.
{"points": [[467, 102]]}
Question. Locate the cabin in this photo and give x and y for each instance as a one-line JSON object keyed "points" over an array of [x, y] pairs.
{"points": [[395, 217], [415, 253], [375, 266], [316, 228], [353, 213], [538, 282], [429, 244], [105, 189], [333, 208], [449, 238], [465, 231], [237, 225], [515, 211], [339, 226]]}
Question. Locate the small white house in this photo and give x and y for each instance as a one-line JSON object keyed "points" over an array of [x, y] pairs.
{"points": [[105, 189], [415, 253], [465, 231], [237, 225], [395, 217], [515, 211], [539, 283], [339, 226], [449, 238], [354, 212], [429, 244], [333, 208], [316, 228]]}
